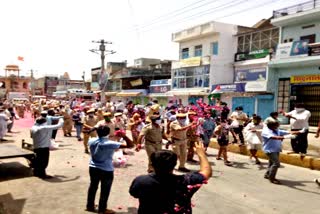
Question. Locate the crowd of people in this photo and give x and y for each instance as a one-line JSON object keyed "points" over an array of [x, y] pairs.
{"points": [[169, 134]]}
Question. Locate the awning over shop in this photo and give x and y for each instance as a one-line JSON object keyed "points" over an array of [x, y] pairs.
{"points": [[129, 94], [187, 92], [161, 95], [110, 93]]}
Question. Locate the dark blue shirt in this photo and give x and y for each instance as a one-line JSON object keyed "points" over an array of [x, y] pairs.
{"points": [[169, 194]]}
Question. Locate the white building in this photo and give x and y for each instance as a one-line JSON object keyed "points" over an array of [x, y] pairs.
{"points": [[206, 56]]}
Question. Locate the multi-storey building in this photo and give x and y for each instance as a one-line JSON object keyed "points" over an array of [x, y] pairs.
{"points": [[12, 81], [294, 74], [249, 89], [205, 59]]}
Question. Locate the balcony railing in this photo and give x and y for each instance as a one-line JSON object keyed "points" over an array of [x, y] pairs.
{"points": [[309, 5]]}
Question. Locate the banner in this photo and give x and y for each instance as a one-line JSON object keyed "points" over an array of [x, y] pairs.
{"points": [[252, 74], [252, 55], [136, 82], [297, 48], [305, 79], [160, 89], [283, 50], [190, 62]]}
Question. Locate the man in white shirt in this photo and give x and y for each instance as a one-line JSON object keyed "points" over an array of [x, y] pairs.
{"points": [[238, 118], [299, 121]]}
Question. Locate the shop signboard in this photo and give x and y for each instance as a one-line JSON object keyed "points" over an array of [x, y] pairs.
{"points": [[305, 79], [190, 62], [256, 86], [160, 88], [299, 48], [283, 50], [257, 54], [296, 48], [136, 82], [251, 74], [224, 88]]}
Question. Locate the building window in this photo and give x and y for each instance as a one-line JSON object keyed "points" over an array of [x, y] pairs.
{"points": [[185, 53], [193, 77], [284, 95], [309, 38], [198, 50], [215, 48]]}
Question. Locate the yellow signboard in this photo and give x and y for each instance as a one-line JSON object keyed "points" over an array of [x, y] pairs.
{"points": [[136, 82], [190, 62], [305, 79]]}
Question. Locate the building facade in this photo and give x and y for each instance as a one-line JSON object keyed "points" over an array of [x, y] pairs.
{"points": [[254, 50], [294, 70], [205, 58], [12, 81]]}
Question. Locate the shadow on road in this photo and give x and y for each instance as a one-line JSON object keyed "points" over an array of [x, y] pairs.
{"points": [[296, 184], [61, 179], [240, 165], [131, 210], [14, 170], [10, 205]]}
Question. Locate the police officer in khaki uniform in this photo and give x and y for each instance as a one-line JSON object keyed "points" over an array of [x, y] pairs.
{"points": [[108, 122], [67, 126], [90, 121], [153, 134], [178, 131], [118, 121], [192, 137]]}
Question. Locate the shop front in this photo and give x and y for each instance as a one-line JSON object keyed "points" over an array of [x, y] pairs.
{"points": [[190, 80], [159, 90], [253, 74], [296, 79], [306, 89], [137, 96], [236, 95]]}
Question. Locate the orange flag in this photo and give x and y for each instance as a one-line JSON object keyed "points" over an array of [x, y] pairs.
{"points": [[20, 58]]}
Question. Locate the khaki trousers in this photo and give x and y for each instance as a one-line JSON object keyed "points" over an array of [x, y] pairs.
{"points": [[86, 139], [180, 148], [67, 126], [150, 148]]}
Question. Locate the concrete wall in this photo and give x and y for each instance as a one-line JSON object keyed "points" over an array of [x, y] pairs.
{"points": [[221, 69], [296, 31], [204, 41]]}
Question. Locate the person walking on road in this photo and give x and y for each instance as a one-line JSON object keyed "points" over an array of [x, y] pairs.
{"points": [[239, 118], [164, 192], [153, 134], [178, 131], [299, 121], [272, 143], [101, 168], [253, 136], [41, 136]]}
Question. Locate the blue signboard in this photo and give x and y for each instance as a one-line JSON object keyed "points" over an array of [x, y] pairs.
{"points": [[299, 48], [254, 74]]}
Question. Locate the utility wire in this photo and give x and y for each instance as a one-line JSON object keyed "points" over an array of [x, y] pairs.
{"points": [[201, 13], [178, 12]]}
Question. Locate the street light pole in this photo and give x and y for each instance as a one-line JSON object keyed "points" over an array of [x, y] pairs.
{"points": [[103, 79]]}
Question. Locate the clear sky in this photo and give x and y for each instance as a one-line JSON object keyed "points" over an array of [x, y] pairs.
{"points": [[55, 36]]}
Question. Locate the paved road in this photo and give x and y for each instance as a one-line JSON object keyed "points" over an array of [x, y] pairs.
{"points": [[239, 189]]}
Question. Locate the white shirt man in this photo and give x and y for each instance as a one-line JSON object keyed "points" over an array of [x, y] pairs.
{"points": [[299, 121]]}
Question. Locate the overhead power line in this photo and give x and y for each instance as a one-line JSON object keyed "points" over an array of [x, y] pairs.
{"points": [[201, 13], [178, 12]]}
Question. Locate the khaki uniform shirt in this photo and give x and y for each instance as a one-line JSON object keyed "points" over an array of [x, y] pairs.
{"points": [[152, 133], [111, 127], [177, 135]]}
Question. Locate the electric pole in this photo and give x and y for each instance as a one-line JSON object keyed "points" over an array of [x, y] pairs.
{"points": [[32, 82], [103, 78], [83, 78]]}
